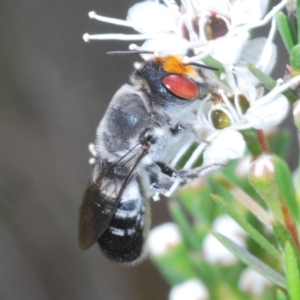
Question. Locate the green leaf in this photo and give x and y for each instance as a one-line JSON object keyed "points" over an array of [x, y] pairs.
{"points": [[286, 30], [280, 295], [252, 142], [238, 194], [286, 186], [283, 235], [269, 82], [197, 202], [265, 184], [298, 19], [252, 261], [187, 230], [280, 143], [212, 62], [175, 265], [298, 182], [292, 272], [295, 60], [253, 233], [263, 78]]}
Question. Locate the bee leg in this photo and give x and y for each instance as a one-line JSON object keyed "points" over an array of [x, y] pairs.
{"points": [[189, 174], [197, 172], [166, 169], [162, 185], [182, 176], [158, 181]]}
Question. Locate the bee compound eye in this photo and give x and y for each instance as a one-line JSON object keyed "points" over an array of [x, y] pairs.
{"points": [[181, 86]]}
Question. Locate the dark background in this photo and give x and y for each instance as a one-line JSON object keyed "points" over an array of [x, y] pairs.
{"points": [[54, 89]]}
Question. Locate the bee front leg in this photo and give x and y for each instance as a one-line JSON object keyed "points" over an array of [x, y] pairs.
{"points": [[197, 172], [189, 174], [158, 181], [182, 176]]}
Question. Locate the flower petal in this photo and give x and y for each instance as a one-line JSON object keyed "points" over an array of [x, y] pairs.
{"points": [[229, 144], [227, 49], [269, 114], [192, 289], [246, 11], [162, 238], [152, 17], [165, 45], [258, 53]]}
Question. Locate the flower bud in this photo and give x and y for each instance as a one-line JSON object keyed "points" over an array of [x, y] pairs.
{"points": [[163, 238], [214, 251], [169, 253], [192, 289], [253, 282], [262, 178]]}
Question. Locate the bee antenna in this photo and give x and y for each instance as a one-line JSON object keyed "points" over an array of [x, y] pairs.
{"points": [[202, 66], [129, 52]]}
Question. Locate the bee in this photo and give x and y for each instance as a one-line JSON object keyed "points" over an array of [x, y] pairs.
{"points": [[144, 121]]}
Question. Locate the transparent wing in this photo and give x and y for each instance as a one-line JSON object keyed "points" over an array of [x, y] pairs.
{"points": [[103, 194]]}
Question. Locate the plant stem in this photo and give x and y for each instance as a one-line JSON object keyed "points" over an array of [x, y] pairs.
{"points": [[263, 141], [290, 225]]}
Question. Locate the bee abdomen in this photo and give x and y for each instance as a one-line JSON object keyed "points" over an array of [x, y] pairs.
{"points": [[123, 239]]}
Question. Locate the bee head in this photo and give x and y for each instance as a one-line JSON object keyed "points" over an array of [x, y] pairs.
{"points": [[172, 82]]}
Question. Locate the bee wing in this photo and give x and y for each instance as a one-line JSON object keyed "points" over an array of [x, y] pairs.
{"points": [[103, 195]]}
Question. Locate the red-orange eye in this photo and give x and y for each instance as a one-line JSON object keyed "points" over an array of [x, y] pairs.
{"points": [[181, 86]]}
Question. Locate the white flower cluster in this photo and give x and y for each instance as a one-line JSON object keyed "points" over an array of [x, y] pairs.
{"points": [[219, 29], [216, 27], [165, 238]]}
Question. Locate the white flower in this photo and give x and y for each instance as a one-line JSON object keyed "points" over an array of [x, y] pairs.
{"points": [[253, 282], [216, 27], [163, 238], [192, 289], [224, 114], [242, 106], [215, 152], [234, 109], [213, 251]]}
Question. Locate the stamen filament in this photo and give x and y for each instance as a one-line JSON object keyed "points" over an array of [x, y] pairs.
{"points": [[119, 36], [229, 105], [199, 150], [195, 155], [181, 152], [93, 15]]}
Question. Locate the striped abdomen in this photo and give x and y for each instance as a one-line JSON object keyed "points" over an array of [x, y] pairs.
{"points": [[124, 238]]}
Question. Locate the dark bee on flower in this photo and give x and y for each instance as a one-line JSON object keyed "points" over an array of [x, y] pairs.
{"points": [[145, 121]]}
